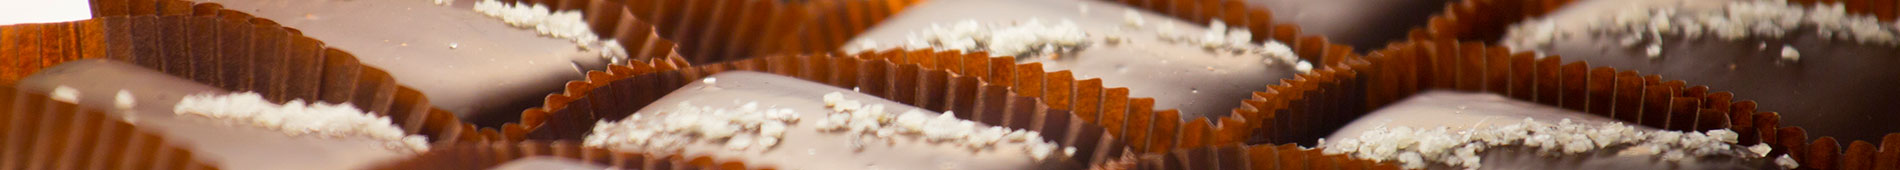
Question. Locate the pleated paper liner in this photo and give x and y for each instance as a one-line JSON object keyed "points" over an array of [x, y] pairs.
{"points": [[488, 155], [605, 17], [614, 97], [231, 51], [1823, 153], [1329, 99], [1487, 20], [40, 133], [1239, 157]]}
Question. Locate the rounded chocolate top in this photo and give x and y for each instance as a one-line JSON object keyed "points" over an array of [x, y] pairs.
{"points": [[547, 163], [804, 146], [1458, 111], [220, 143], [1363, 24], [475, 66], [1200, 82], [1826, 83]]}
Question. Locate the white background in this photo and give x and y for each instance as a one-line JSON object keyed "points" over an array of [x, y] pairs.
{"points": [[38, 11]]}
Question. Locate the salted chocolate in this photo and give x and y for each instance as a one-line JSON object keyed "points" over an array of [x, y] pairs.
{"points": [[804, 146], [475, 66], [222, 144], [548, 163], [1462, 110], [1457, 111], [1363, 24], [1199, 82], [1837, 87]]}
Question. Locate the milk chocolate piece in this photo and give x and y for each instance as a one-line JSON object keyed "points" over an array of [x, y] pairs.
{"points": [[805, 147], [1178, 75], [475, 66], [1837, 88], [222, 144], [1465, 110]]}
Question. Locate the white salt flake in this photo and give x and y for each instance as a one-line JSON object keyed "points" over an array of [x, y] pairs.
{"points": [[1787, 162], [1789, 54], [123, 100], [65, 94], [1132, 18]]}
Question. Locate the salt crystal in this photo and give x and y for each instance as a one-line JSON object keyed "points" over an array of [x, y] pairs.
{"points": [[1789, 54], [123, 100], [65, 94]]}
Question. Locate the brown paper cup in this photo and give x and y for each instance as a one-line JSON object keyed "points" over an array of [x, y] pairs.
{"points": [[1487, 20], [616, 96], [486, 155], [232, 51], [1328, 99], [41, 133], [1236, 156]]}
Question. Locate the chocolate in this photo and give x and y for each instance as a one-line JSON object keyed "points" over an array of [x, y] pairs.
{"points": [[1365, 24], [1462, 110], [1837, 87], [223, 145], [1466, 110], [475, 66], [805, 147], [1179, 75], [545, 162]]}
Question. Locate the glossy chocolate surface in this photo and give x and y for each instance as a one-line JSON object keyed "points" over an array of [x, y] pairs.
{"points": [[548, 163], [1838, 88], [1364, 24], [805, 147], [492, 73], [1464, 110], [221, 144], [1179, 75]]}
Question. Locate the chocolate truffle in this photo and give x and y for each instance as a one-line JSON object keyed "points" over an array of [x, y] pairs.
{"points": [[1198, 70], [479, 67], [729, 116], [1439, 129], [146, 98], [1821, 68]]}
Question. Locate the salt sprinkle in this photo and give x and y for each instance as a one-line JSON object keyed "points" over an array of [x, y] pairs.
{"points": [[1735, 22], [1416, 148], [747, 127], [568, 24], [871, 123], [296, 118], [1032, 38]]}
